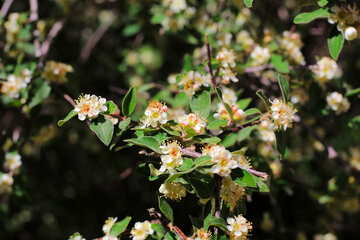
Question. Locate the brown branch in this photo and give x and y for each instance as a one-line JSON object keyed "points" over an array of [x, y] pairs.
{"points": [[95, 38], [5, 7], [34, 16]]}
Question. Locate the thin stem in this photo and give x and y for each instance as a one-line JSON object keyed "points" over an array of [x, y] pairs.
{"points": [[34, 16], [5, 7]]}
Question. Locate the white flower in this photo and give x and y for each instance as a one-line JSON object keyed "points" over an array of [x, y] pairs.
{"points": [[192, 82], [266, 132], [291, 43], [12, 161], [337, 102], [141, 230], [109, 238], [108, 225], [174, 191], [172, 158], [224, 39], [236, 113], [239, 227], [229, 96], [282, 114], [228, 75], [155, 114], [243, 38], [201, 234], [6, 181], [193, 121], [89, 106], [222, 159], [350, 33], [326, 69], [226, 58], [178, 5], [14, 84], [56, 71], [260, 56]]}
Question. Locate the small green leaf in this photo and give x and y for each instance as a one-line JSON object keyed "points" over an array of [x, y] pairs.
{"points": [[245, 133], [216, 222], [206, 139], [71, 114], [171, 235], [244, 103], [280, 141], [148, 142], [188, 64], [103, 128], [335, 43], [202, 187], [132, 29], [220, 96], [252, 111], [169, 130], [248, 3], [187, 164], [243, 178], [217, 124], [111, 107], [261, 185], [166, 209], [307, 17], [129, 102], [119, 227], [230, 139], [124, 124], [280, 64], [201, 103], [261, 95], [158, 18], [159, 229], [353, 92], [39, 91], [203, 161], [284, 86], [322, 3]]}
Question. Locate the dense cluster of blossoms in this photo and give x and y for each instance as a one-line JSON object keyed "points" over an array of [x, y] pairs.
{"points": [[155, 114], [192, 81], [231, 192], [260, 56], [177, 14], [282, 114], [244, 39], [12, 164], [239, 228], [236, 113], [14, 84], [291, 43], [326, 69], [299, 96], [226, 60], [266, 131], [13, 27], [172, 157], [141, 230], [201, 234], [347, 18], [222, 159], [56, 72], [337, 102], [175, 191], [192, 121], [89, 106]]}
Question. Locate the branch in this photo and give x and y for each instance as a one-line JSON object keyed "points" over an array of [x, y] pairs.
{"points": [[5, 8], [34, 16]]}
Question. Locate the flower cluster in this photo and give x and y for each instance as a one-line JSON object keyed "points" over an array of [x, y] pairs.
{"points": [[260, 56], [231, 192], [141, 230], [155, 114], [226, 59], [192, 81], [175, 191], [222, 159], [13, 27], [291, 43], [243, 37], [201, 234], [89, 106], [337, 102], [192, 121], [236, 113], [282, 114], [172, 157], [108, 225], [347, 18], [12, 164], [56, 72], [239, 228], [266, 131], [14, 84], [326, 69]]}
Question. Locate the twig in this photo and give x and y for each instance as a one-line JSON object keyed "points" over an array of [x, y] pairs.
{"points": [[95, 38], [34, 16], [208, 52], [257, 68], [5, 8]]}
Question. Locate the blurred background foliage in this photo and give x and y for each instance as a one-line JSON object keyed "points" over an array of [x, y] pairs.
{"points": [[70, 181]]}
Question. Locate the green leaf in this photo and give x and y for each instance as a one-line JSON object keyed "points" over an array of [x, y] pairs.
{"points": [[352, 92], [322, 3], [158, 18], [354, 122], [280, 141], [216, 222], [307, 17], [248, 3], [124, 124], [71, 114], [129, 102], [119, 227], [220, 96], [230, 140], [244, 103], [217, 124], [166, 209], [167, 128], [280, 64], [111, 107], [201, 103], [103, 128], [170, 236], [251, 111], [132, 29], [203, 161], [188, 64], [335, 43], [202, 187], [260, 184], [245, 133], [148, 142], [159, 229], [243, 178], [261, 95], [187, 164], [206, 139], [284, 86], [39, 90]]}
